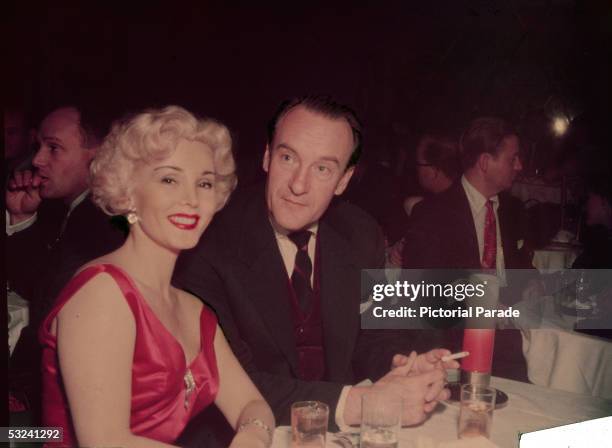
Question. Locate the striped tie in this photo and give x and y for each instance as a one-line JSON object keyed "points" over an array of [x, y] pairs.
{"points": [[489, 252], [302, 270]]}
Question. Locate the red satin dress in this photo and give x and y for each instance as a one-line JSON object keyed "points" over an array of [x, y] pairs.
{"points": [[161, 402]]}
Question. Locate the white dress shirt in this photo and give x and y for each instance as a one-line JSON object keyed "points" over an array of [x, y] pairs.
{"points": [[478, 207]]}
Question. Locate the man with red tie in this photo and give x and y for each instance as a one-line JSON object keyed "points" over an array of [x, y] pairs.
{"points": [[468, 226], [473, 224]]}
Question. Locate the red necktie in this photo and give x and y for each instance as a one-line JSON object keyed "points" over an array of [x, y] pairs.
{"points": [[489, 251], [300, 279]]}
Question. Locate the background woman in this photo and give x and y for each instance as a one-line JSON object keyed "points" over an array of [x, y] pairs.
{"points": [[128, 359]]}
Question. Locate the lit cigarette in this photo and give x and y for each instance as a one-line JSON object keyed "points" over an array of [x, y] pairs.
{"points": [[458, 355]]}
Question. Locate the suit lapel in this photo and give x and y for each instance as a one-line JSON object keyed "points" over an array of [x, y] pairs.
{"points": [[465, 226], [340, 297], [265, 272], [504, 216]]}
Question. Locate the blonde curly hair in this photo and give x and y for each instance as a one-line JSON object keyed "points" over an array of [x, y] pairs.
{"points": [[153, 135]]}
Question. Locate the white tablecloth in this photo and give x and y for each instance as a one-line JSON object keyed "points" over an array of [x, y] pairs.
{"points": [[19, 317], [529, 408], [560, 358], [555, 258]]}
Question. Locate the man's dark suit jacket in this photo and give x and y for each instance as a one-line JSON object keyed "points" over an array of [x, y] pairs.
{"points": [[442, 235], [238, 270], [40, 261]]}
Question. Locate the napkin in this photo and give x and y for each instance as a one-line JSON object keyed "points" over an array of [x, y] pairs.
{"points": [[563, 236]]}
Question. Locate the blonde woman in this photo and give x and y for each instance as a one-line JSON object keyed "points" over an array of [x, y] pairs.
{"points": [[128, 359]]}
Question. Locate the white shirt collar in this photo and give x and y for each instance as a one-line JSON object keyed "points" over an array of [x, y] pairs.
{"points": [[80, 198], [476, 198], [313, 228]]}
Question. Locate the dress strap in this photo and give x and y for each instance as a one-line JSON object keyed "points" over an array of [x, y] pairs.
{"points": [[81, 278]]}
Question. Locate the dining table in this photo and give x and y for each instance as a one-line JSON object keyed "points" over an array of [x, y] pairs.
{"points": [[555, 257], [18, 317], [560, 357], [529, 408]]}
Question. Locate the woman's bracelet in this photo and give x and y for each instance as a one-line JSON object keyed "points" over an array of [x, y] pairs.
{"points": [[256, 422]]}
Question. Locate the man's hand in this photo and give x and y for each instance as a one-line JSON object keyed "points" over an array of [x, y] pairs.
{"points": [[420, 392], [394, 255], [426, 362], [23, 196]]}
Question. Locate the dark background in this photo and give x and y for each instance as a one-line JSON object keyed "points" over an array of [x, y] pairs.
{"points": [[405, 66]]}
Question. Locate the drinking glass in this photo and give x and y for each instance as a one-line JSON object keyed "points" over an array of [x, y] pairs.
{"points": [[309, 421], [381, 419], [476, 414]]}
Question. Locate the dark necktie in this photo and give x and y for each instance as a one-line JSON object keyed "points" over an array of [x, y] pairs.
{"points": [[302, 270], [489, 251]]}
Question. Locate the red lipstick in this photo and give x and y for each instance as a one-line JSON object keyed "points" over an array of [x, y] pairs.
{"points": [[184, 221]]}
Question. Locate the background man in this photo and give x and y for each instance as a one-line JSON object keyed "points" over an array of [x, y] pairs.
{"points": [[437, 168], [448, 229], [472, 226], [281, 266], [52, 226]]}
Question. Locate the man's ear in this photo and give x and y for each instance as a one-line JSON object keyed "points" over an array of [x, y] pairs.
{"points": [[266, 159], [483, 161], [344, 181]]}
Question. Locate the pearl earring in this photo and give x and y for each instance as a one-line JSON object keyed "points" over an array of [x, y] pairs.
{"points": [[132, 217]]}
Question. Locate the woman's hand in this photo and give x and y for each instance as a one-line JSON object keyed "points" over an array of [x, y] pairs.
{"points": [[240, 401]]}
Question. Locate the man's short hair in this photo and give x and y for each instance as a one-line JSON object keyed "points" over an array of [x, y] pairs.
{"points": [[484, 134], [442, 153], [328, 107], [95, 120]]}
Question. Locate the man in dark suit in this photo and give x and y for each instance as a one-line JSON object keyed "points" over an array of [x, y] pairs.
{"points": [[473, 225], [53, 228], [52, 224], [281, 267]]}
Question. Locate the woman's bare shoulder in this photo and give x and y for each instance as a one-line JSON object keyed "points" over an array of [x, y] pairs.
{"points": [[98, 303], [98, 295], [110, 258]]}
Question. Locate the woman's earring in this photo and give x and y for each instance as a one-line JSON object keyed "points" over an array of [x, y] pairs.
{"points": [[132, 217]]}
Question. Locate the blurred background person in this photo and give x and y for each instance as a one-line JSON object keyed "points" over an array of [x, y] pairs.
{"points": [[437, 167], [49, 217], [52, 228], [473, 225], [19, 139], [597, 236], [169, 173]]}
